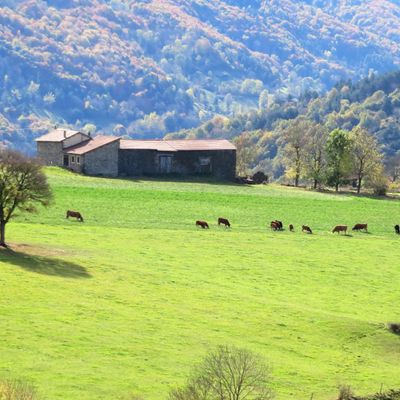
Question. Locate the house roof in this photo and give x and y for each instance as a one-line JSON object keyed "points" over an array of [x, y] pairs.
{"points": [[177, 145], [91, 144], [58, 135]]}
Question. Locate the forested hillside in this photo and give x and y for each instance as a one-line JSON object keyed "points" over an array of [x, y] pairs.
{"points": [[148, 67], [372, 104]]}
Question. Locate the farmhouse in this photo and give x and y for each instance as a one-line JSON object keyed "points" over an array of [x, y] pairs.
{"points": [[113, 156]]}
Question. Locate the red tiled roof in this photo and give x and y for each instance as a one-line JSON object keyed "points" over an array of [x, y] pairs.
{"points": [[159, 145], [206, 144], [92, 144], [177, 145], [57, 135]]}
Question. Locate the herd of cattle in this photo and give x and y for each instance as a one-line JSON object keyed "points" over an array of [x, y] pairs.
{"points": [[275, 225], [278, 226]]}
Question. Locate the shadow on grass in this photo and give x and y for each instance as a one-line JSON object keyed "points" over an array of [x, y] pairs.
{"points": [[43, 265]]}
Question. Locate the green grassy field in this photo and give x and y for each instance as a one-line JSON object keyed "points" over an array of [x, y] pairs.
{"points": [[129, 300]]}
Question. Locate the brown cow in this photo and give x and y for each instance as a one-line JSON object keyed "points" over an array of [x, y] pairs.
{"points": [[74, 214], [279, 225], [202, 224], [224, 221], [359, 227], [340, 228], [306, 229], [275, 226], [291, 228]]}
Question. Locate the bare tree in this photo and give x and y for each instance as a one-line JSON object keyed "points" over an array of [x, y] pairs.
{"points": [[22, 186], [228, 373]]}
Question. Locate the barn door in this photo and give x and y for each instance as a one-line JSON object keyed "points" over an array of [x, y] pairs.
{"points": [[66, 161], [165, 164]]}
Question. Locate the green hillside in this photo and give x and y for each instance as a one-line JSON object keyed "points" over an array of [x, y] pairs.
{"points": [[129, 300]]}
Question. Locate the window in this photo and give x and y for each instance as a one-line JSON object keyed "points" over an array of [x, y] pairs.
{"points": [[205, 165], [72, 159], [78, 160], [205, 161]]}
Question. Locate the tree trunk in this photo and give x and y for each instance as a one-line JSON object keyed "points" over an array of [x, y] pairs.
{"points": [[296, 180], [359, 184], [336, 187], [3, 234], [315, 184]]}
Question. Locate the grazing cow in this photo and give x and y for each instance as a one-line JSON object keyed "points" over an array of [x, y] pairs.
{"points": [[275, 226], [291, 228], [340, 228], [359, 227], [306, 229], [224, 221], [397, 229], [74, 214], [202, 224], [279, 225]]}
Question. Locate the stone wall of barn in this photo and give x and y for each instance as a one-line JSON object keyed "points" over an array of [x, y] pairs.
{"points": [[137, 162], [50, 153], [222, 163], [102, 161]]}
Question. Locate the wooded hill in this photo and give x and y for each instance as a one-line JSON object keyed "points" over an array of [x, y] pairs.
{"points": [[372, 103], [148, 67]]}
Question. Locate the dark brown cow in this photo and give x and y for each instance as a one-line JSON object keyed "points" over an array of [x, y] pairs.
{"points": [[397, 229], [275, 226], [74, 214], [340, 228], [306, 229], [279, 224], [291, 228], [359, 227], [202, 224], [224, 221]]}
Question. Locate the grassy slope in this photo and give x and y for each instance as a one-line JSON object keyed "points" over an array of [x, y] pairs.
{"points": [[129, 300]]}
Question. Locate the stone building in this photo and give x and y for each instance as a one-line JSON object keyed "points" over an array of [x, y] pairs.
{"points": [[216, 158], [80, 152], [112, 156], [50, 147]]}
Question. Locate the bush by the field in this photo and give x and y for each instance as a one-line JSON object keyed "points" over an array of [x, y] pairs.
{"points": [[394, 328], [17, 390]]}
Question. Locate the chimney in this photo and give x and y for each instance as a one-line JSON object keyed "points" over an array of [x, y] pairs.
{"points": [[65, 134]]}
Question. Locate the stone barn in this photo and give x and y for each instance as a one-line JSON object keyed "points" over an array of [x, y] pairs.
{"points": [[113, 156], [214, 158]]}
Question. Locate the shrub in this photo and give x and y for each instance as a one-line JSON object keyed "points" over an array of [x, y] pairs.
{"points": [[345, 393], [17, 390], [227, 373], [394, 328]]}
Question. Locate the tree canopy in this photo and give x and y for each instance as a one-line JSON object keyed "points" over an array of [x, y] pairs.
{"points": [[23, 186]]}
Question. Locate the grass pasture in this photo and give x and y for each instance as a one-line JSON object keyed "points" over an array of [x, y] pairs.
{"points": [[129, 300]]}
